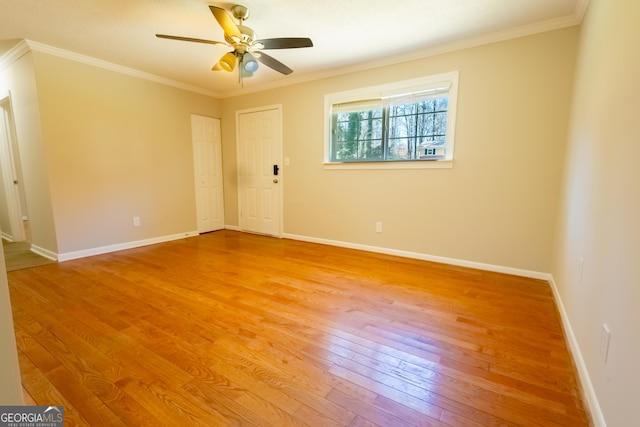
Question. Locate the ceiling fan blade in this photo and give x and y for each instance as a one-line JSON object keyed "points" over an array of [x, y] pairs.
{"points": [[230, 28], [190, 39], [285, 43], [271, 62]]}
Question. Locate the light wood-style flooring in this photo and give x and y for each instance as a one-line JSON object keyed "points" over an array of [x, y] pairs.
{"points": [[18, 255], [237, 329]]}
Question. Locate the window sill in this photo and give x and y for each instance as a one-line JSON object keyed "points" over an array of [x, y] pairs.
{"points": [[418, 164]]}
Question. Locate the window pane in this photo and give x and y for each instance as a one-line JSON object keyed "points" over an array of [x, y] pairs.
{"points": [[357, 135], [440, 124], [398, 127], [442, 104], [365, 115], [402, 109], [371, 129], [414, 128], [372, 150], [427, 106], [407, 126], [343, 117], [402, 149], [426, 125]]}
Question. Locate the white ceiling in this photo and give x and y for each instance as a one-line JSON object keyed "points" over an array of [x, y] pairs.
{"points": [[347, 34]]}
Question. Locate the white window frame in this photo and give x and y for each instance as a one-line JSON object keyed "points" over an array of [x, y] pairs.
{"points": [[407, 87]]}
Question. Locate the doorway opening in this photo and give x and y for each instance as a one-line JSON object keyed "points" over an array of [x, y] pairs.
{"points": [[14, 219]]}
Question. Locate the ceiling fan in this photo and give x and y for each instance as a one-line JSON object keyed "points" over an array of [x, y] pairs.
{"points": [[247, 48]]}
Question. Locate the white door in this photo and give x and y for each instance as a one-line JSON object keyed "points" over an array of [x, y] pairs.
{"points": [[259, 174], [207, 165], [9, 164]]}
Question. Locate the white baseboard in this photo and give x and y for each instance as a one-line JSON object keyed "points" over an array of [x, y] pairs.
{"points": [[588, 392], [44, 252], [424, 257], [232, 227], [6, 236], [67, 256]]}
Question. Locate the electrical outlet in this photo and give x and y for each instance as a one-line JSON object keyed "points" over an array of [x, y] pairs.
{"points": [[605, 337], [580, 269], [136, 221], [379, 227]]}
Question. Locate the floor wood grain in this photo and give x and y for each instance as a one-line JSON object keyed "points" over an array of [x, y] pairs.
{"points": [[236, 329], [18, 255]]}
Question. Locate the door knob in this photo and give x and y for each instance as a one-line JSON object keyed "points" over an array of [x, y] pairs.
{"points": [[275, 181]]}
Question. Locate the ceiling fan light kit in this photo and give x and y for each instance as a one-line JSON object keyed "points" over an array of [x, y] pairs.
{"points": [[250, 63], [247, 48], [227, 62]]}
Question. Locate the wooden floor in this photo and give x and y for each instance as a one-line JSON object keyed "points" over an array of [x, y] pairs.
{"points": [[237, 329], [18, 255]]}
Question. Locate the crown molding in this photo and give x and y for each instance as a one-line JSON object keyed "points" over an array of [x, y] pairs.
{"points": [[62, 53], [581, 9], [574, 19], [471, 42], [13, 54], [26, 46]]}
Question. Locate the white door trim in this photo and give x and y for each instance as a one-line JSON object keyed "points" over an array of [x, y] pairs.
{"points": [[9, 170], [277, 107]]}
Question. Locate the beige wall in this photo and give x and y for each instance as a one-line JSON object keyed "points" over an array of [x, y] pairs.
{"points": [[496, 206], [10, 385], [116, 147], [19, 79], [97, 147], [600, 206]]}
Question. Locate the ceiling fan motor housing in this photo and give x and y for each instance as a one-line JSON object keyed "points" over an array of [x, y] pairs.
{"points": [[248, 36], [240, 12]]}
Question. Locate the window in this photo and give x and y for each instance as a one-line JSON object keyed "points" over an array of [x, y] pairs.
{"points": [[392, 125]]}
